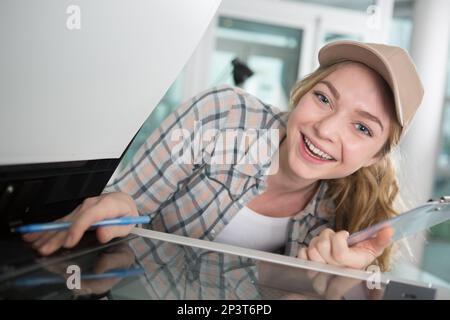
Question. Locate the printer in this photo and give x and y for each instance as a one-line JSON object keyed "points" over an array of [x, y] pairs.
{"points": [[78, 78]]}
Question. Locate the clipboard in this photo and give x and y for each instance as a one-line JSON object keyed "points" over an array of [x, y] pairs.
{"points": [[410, 222]]}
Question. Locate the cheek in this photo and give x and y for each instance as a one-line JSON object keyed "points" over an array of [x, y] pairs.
{"points": [[358, 152], [304, 111]]}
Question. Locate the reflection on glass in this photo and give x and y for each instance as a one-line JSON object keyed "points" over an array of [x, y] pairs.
{"points": [[88, 276], [181, 272], [145, 268], [271, 52]]}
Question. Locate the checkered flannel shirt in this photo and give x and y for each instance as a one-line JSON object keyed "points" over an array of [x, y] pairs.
{"points": [[199, 199]]}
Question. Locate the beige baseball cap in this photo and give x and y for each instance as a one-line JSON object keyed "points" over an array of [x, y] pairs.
{"points": [[393, 63]]}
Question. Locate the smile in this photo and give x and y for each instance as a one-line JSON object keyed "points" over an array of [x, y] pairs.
{"points": [[315, 152]]}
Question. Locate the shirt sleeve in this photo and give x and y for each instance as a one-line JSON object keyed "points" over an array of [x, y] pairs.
{"points": [[161, 165]]}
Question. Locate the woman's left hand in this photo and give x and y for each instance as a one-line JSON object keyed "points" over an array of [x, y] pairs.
{"points": [[331, 247]]}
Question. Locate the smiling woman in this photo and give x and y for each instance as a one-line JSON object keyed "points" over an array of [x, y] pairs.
{"points": [[330, 173], [345, 116]]}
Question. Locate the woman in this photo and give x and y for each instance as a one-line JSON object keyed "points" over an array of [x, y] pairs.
{"points": [[329, 174]]}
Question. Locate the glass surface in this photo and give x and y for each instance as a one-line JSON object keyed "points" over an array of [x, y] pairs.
{"points": [[271, 52], [408, 223], [144, 268]]}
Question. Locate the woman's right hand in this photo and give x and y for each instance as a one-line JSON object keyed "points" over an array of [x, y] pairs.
{"points": [[106, 206]]}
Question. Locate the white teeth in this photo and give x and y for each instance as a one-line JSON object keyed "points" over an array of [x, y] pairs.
{"points": [[316, 151]]}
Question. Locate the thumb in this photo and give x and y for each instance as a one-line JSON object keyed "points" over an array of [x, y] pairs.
{"points": [[382, 239]]}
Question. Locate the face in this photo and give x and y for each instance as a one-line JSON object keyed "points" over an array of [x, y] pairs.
{"points": [[340, 125]]}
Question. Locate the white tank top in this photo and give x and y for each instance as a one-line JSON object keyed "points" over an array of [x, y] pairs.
{"points": [[250, 229]]}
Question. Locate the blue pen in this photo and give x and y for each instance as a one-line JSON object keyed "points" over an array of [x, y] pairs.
{"points": [[52, 226]]}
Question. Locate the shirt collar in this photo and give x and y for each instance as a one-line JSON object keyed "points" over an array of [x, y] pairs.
{"points": [[320, 205]]}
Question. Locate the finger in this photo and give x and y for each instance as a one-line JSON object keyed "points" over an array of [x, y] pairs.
{"points": [[383, 238], [53, 244], [313, 242], [302, 254], [99, 211], [314, 255], [105, 234], [31, 237], [323, 246], [98, 286], [110, 261], [339, 286], [311, 274], [320, 283], [43, 239], [35, 236], [357, 257], [377, 244], [339, 247], [60, 268]]}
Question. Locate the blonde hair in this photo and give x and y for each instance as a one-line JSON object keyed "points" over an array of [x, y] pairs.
{"points": [[367, 196]]}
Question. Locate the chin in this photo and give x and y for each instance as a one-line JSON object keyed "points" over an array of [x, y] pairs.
{"points": [[302, 171]]}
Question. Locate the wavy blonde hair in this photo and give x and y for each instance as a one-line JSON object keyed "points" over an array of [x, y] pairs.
{"points": [[367, 196]]}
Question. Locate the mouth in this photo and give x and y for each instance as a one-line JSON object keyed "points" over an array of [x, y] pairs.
{"points": [[314, 151]]}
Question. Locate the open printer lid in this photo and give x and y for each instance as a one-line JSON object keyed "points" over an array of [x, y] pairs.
{"points": [[77, 81]]}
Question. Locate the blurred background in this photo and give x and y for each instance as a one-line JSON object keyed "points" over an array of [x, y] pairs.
{"points": [[265, 46]]}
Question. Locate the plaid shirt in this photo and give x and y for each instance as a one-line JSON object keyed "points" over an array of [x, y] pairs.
{"points": [[198, 199]]}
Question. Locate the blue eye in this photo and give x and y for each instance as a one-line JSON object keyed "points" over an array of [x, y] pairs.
{"points": [[322, 98], [364, 129]]}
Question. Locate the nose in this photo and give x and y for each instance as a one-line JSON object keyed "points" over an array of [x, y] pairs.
{"points": [[328, 127]]}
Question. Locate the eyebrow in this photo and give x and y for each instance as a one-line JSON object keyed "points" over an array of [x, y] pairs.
{"points": [[370, 116], [362, 113], [331, 87]]}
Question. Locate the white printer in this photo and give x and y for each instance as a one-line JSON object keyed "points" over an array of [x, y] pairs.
{"points": [[77, 80]]}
